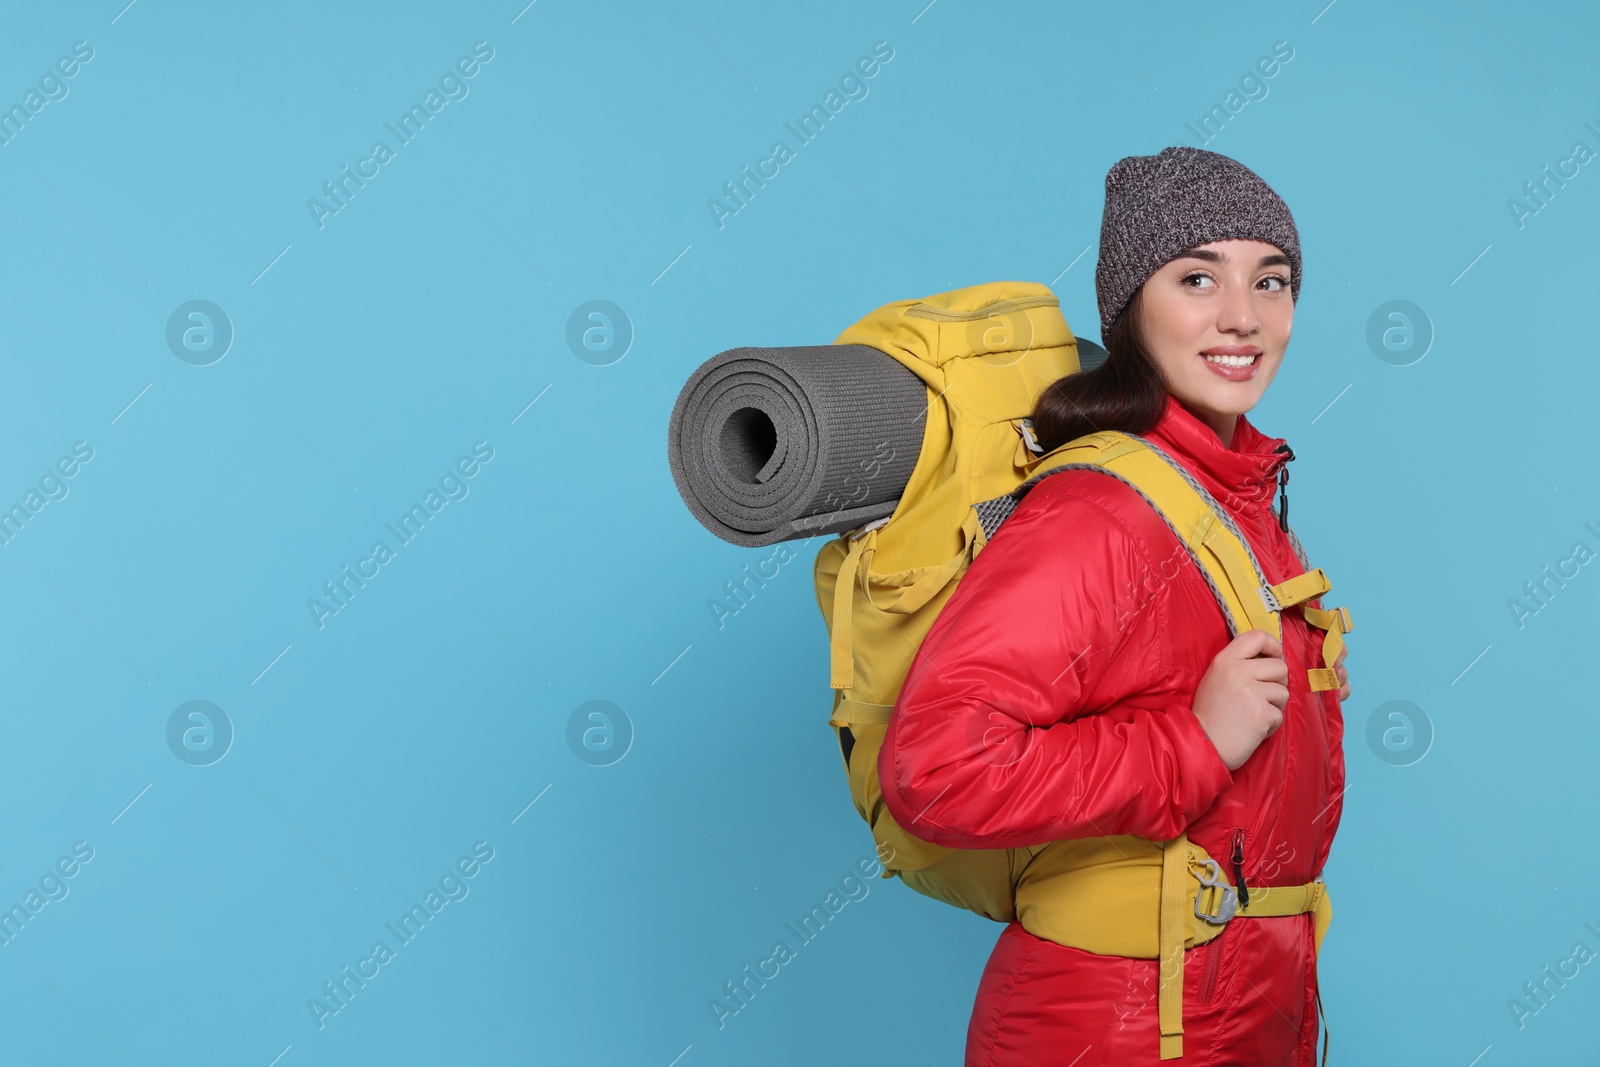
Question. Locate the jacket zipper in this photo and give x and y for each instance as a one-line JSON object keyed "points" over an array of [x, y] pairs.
{"points": [[1238, 866], [1208, 977], [1283, 486]]}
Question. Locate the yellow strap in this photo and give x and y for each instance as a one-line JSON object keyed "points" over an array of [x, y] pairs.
{"points": [[1297, 590], [1220, 552], [1246, 586], [924, 589], [1202, 529], [856, 569], [1174, 929], [842, 645], [1126, 445], [1302, 587], [1292, 900], [1328, 618], [1264, 901], [1334, 622], [860, 713]]}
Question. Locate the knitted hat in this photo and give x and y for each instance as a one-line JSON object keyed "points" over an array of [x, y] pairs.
{"points": [[1160, 206]]}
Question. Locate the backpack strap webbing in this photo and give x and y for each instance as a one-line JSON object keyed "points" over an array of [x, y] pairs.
{"points": [[848, 712], [1206, 530], [856, 570], [1217, 903]]}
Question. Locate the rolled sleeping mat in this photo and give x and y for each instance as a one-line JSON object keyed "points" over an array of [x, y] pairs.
{"points": [[776, 444], [773, 444]]}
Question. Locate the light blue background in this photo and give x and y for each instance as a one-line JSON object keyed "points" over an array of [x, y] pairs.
{"points": [[428, 314]]}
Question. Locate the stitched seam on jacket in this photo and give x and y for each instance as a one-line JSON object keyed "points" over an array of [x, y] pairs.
{"points": [[1140, 550], [1226, 1000], [1161, 611], [1309, 1021], [1131, 972], [1291, 622], [1011, 987]]}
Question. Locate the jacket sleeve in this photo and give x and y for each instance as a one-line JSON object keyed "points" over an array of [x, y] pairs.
{"points": [[1040, 706]]}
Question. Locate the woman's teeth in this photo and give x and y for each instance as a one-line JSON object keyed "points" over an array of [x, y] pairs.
{"points": [[1232, 361]]}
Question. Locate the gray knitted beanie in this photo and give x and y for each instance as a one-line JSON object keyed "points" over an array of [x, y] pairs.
{"points": [[1160, 206]]}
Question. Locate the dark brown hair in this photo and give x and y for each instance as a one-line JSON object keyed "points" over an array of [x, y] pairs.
{"points": [[1127, 392]]}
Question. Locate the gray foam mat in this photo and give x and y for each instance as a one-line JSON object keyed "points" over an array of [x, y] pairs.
{"points": [[775, 444]]}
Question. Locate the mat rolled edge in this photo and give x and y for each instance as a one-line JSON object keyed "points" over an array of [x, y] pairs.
{"points": [[847, 405]]}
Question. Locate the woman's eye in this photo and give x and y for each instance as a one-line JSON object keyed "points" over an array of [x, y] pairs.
{"points": [[1196, 278], [1282, 282]]}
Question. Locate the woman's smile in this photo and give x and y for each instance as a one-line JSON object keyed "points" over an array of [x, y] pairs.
{"points": [[1235, 362]]}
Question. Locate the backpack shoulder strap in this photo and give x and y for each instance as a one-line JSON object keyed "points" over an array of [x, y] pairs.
{"points": [[1205, 529]]}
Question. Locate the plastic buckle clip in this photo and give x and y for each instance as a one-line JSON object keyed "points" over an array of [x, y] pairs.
{"points": [[1025, 427], [1228, 904], [869, 527]]}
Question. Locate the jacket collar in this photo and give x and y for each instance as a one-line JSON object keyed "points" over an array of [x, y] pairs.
{"points": [[1246, 470]]}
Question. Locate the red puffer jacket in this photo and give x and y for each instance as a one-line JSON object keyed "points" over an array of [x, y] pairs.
{"points": [[1081, 631]]}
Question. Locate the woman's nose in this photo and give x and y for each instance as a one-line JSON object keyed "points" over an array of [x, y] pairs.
{"points": [[1238, 313]]}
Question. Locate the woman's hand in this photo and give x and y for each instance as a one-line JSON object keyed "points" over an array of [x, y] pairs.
{"points": [[1344, 675], [1241, 699]]}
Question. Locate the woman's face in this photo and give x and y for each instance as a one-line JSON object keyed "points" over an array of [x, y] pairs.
{"points": [[1226, 298]]}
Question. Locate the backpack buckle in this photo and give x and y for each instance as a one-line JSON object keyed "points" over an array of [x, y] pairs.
{"points": [[869, 527], [1270, 599], [1025, 427], [1228, 901]]}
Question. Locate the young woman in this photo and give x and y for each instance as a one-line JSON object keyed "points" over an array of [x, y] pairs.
{"points": [[1085, 638]]}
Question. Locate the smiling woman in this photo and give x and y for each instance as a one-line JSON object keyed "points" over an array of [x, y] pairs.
{"points": [[1170, 306], [1167, 726], [1237, 290]]}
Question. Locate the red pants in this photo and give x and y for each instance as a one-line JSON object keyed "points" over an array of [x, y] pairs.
{"points": [[1248, 999]]}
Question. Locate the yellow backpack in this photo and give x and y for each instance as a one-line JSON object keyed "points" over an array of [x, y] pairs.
{"points": [[986, 353]]}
